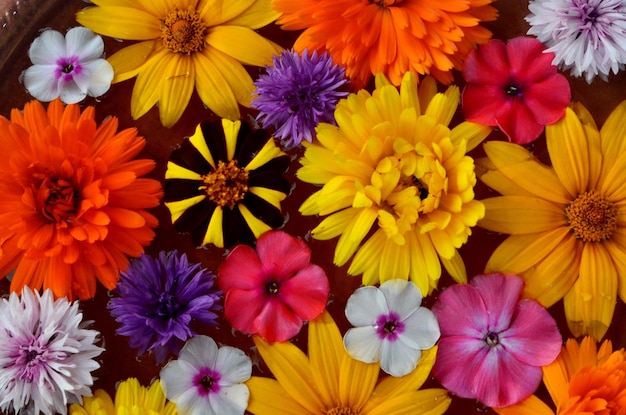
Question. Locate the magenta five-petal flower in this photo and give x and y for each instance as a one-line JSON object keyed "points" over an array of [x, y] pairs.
{"points": [[514, 86], [493, 343]]}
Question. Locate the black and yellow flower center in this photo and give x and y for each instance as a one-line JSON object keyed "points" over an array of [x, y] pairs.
{"points": [[227, 184], [343, 411], [591, 217], [183, 31], [57, 199]]}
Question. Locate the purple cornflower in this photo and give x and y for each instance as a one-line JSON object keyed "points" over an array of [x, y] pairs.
{"points": [[297, 93], [156, 300], [46, 354]]}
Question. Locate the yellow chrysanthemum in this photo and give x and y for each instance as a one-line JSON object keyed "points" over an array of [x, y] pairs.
{"points": [[392, 163], [582, 380], [130, 399], [567, 223], [182, 44], [330, 382]]}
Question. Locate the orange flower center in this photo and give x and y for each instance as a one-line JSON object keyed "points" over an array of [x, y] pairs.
{"points": [[591, 217], [227, 184], [182, 31], [343, 411], [384, 3], [56, 199]]}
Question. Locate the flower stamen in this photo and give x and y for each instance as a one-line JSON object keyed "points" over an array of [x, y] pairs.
{"points": [[227, 184], [57, 199], [343, 411], [183, 31], [591, 217]]}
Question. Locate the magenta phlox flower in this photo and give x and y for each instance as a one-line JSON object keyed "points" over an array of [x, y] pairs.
{"points": [[272, 290], [493, 343], [514, 86]]}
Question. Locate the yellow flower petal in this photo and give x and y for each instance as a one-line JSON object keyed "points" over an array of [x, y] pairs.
{"points": [[176, 89], [236, 76], [259, 14], [423, 402], [443, 105], [243, 44], [325, 354], [395, 262], [128, 61], [613, 132], [199, 142], [179, 207], [613, 185], [530, 406], [354, 233], [519, 215], [492, 177], [147, 89], [256, 225], [213, 87], [355, 394], [217, 12], [120, 22], [268, 397], [455, 267], [473, 134], [215, 233], [268, 152], [231, 130]]}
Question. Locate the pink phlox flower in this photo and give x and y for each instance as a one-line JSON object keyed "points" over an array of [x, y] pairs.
{"points": [[273, 290], [493, 343], [514, 86]]}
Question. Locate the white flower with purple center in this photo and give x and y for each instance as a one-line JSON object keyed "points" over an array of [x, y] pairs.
{"points": [[390, 326], [587, 37], [46, 354], [207, 380], [69, 67]]}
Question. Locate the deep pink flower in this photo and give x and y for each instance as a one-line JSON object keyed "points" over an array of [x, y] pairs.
{"points": [[273, 290], [493, 343], [514, 86]]}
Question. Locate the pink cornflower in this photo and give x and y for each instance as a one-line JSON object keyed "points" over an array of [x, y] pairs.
{"points": [[493, 343], [273, 290]]}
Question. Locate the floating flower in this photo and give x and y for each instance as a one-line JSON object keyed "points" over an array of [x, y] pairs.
{"points": [[393, 160], [273, 290], [568, 222], [185, 44], [130, 398], [583, 380], [515, 87], [391, 327], [587, 37], [207, 380], [329, 381], [46, 354], [389, 36], [69, 67], [224, 184], [156, 301], [73, 203], [493, 343], [297, 93]]}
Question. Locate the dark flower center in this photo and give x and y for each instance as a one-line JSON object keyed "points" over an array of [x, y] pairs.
{"points": [[183, 31], [57, 199], [591, 217], [421, 187], [29, 358], [513, 90], [389, 326], [67, 68], [272, 287], [167, 306], [226, 185], [492, 339], [383, 4], [206, 381]]}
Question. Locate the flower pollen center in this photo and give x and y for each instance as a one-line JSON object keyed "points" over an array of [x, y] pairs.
{"points": [[343, 411], [513, 90], [207, 381], [389, 326], [31, 358], [383, 4], [56, 199], [226, 185], [492, 339], [591, 217], [272, 287], [183, 31], [167, 306]]}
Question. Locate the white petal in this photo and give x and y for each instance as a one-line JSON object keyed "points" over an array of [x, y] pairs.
{"points": [[397, 359], [191, 403], [200, 351], [40, 81], [365, 305], [233, 365], [363, 344], [232, 400], [421, 330], [70, 92], [47, 48], [84, 44], [403, 297], [95, 77], [177, 379]]}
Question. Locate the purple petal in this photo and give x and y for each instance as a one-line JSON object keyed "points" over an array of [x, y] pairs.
{"points": [[461, 311], [500, 294]]}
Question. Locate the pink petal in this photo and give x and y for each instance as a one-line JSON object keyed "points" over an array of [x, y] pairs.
{"points": [[457, 360], [533, 337], [487, 65], [306, 293], [282, 254], [461, 312], [241, 308], [500, 294], [241, 269], [276, 322], [481, 103], [528, 63], [548, 99], [517, 122]]}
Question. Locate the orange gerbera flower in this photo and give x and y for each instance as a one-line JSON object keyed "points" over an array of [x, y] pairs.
{"points": [[389, 36], [73, 204], [582, 380]]}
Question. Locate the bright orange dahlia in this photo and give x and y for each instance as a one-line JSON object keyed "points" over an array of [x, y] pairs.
{"points": [[73, 204], [389, 36]]}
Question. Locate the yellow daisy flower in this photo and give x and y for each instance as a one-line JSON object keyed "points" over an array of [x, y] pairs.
{"points": [[568, 222], [393, 163], [182, 44], [130, 398], [330, 382]]}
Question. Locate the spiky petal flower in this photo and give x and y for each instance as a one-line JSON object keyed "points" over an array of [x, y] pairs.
{"points": [[297, 93], [46, 353], [393, 164], [587, 37], [156, 301]]}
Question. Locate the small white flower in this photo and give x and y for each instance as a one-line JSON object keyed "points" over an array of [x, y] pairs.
{"points": [[207, 380], [390, 326], [69, 67], [46, 356]]}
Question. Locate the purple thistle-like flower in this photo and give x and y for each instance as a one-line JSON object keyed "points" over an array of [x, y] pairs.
{"points": [[157, 299], [297, 93], [46, 354]]}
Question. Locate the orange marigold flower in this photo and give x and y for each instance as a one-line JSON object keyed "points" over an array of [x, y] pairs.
{"points": [[73, 203], [389, 36]]}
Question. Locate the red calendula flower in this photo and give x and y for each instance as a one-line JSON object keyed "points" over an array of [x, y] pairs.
{"points": [[514, 86], [73, 203], [272, 290]]}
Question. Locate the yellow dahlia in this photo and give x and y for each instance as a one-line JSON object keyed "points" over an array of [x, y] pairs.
{"points": [[182, 44], [330, 382], [567, 222], [392, 163]]}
